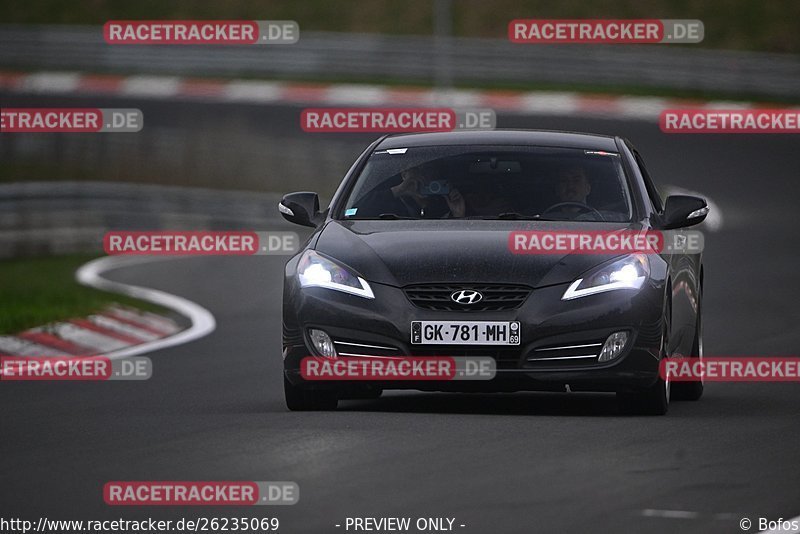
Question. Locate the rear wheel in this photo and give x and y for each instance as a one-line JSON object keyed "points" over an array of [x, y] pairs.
{"points": [[692, 391], [300, 399]]}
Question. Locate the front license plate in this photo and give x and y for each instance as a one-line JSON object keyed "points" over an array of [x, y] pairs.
{"points": [[465, 332]]}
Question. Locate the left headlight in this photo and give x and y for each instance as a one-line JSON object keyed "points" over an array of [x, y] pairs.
{"points": [[629, 272], [316, 270]]}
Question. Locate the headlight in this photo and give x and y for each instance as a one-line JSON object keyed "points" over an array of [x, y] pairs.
{"points": [[629, 272], [315, 270]]}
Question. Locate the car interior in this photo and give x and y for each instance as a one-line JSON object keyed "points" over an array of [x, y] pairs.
{"points": [[495, 183]]}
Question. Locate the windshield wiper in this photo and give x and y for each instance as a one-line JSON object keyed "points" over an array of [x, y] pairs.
{"points": [[503, 216], [520, 217], [393, 216]]}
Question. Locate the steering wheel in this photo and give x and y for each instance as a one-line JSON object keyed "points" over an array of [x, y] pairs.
{"points": [[410, 205], [585, 208]]}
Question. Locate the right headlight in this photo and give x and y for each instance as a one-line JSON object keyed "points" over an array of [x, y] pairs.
{"points": [[316, 270], [629, 272]]}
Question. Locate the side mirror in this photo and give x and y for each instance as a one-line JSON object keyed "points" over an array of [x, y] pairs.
{"points": [[301, 208], [681, 211]]}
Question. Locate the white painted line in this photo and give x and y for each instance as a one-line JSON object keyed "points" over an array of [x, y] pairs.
{"points": [[727, 516], [109, 323], [792, 521], [670, 514], [203, 323]]}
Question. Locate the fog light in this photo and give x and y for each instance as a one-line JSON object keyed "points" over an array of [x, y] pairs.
{"points": [[323, 343], [613, 346]]}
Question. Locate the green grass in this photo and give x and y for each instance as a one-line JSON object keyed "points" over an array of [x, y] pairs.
{"points": [[39, 171], [730, 24], [36, 291]]}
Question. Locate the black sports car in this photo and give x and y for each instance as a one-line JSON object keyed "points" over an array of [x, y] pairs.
{"points": [[416, 242]]}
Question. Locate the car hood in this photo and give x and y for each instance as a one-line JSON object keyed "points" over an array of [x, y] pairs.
{"points": [[400, 252]]}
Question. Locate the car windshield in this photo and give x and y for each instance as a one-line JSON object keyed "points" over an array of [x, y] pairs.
{"points": [[479, 182]]}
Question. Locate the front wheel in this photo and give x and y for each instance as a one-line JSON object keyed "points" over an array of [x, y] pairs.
{"points": [[300, 399], [692, 391], [362, 393], [655, 399], [652, 401]]}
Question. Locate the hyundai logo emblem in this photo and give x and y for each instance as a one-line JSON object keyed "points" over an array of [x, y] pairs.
{"points": [[466, 296]]}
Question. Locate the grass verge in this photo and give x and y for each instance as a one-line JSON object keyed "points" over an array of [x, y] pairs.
{"points": [[36, 291]]}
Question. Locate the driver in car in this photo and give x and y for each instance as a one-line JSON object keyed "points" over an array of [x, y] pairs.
{"points": [[572, 189], [573, 185]]}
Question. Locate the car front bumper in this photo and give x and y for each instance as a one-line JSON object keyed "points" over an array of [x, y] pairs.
{"points": [[552, 331]]}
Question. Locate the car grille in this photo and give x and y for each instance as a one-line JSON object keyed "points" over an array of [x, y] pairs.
{"points": [[496, 297]]}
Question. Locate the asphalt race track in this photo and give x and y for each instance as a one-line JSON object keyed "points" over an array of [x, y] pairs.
{"points": [[214, 408]]}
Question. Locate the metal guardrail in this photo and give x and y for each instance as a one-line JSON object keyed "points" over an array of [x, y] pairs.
{"points": [[72, 217], [320, 55]]}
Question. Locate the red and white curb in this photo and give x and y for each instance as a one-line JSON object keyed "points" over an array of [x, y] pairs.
{"points": [[117, 332], [111, 330], [338, 94]]}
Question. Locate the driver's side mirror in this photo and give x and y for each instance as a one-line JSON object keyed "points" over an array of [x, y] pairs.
{"points": [[301, 208], [681, 211]]}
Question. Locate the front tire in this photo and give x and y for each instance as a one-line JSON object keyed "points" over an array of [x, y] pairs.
{"points": [[655, 399], [364, 393], [692, 391], [300, 399], [652, 401]]}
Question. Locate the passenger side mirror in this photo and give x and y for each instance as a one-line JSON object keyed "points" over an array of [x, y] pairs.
{"points": [[681, 211], [301, 208]]}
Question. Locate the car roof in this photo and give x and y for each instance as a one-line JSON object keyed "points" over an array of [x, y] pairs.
{"points": [[502, 137]]}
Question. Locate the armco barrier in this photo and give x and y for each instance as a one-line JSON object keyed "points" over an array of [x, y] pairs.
{"points": [[323, 55]]}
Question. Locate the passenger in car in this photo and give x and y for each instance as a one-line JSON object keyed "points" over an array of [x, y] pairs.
{"points": [[413, 197]]}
